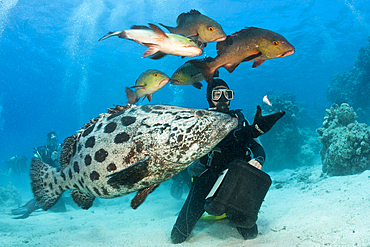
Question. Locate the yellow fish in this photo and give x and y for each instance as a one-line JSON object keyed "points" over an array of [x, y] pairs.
{"points": [[148, 83], [187, 74]]}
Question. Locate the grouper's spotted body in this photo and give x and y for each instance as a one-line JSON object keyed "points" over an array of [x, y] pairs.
{"points": [[134, 149]]}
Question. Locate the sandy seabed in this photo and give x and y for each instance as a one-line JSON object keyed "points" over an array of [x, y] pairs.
{"points": [[302, 208]]}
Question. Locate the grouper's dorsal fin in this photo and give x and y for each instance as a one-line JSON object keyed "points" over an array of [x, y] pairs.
{"points": [[68, 150], [110, 111], [118, 108], [131, 174], [93, 121], [141, 196]]}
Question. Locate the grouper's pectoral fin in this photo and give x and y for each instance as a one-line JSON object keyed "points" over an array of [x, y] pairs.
{"points": [[131, 174], [82, 200], [141, 196]]}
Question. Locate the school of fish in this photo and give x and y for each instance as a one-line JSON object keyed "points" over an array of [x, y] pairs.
{"points": [[188, 39]]}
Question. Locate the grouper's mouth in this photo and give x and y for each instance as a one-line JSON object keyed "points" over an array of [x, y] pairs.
{"points": [[222, 132]]}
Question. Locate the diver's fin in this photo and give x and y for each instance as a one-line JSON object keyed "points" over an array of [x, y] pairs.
{"points": [[43, 184], [31, 207], [257, 63], [131, 174], [207, 216], [25, 210], [197, 85], [82, 200], [141, 196]]}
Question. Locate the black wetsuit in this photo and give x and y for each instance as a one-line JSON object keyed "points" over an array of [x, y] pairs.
{"points": [[233, 151]]}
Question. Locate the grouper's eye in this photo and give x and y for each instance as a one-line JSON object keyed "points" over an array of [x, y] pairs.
{"points": [[211, 29], [199, 114], [275, 42]]}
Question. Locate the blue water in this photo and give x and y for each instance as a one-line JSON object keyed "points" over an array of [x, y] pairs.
{"points": [[55, 75]]}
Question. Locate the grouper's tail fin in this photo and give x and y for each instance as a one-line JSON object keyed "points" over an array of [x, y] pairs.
{"points": [[44, 184]]}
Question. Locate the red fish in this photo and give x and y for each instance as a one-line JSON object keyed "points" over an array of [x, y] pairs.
{"points": [[250, 44], [196, 25]]}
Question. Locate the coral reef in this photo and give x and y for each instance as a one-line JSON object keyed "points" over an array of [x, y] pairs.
{"points": [[346, 148], [353, 87], [291, 142], [9, 196]]}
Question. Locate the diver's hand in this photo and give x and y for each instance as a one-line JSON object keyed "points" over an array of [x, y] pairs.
{"points": [[262, 124], [255, 163]]}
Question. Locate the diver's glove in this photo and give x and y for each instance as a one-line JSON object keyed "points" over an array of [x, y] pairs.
{"points": [[260, 126]]}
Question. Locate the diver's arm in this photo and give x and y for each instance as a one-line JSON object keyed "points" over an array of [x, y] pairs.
{"points": [[260, 126]]}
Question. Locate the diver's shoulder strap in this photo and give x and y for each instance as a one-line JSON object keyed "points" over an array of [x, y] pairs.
{"points": [[237, 113]]}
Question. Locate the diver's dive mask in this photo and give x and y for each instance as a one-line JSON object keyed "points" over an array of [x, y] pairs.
{"points": [[219, 93], [53, 140]]}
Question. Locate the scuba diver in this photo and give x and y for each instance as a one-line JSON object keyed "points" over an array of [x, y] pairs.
{"points": [[228, 180], [49, 155], [16, 165]]}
